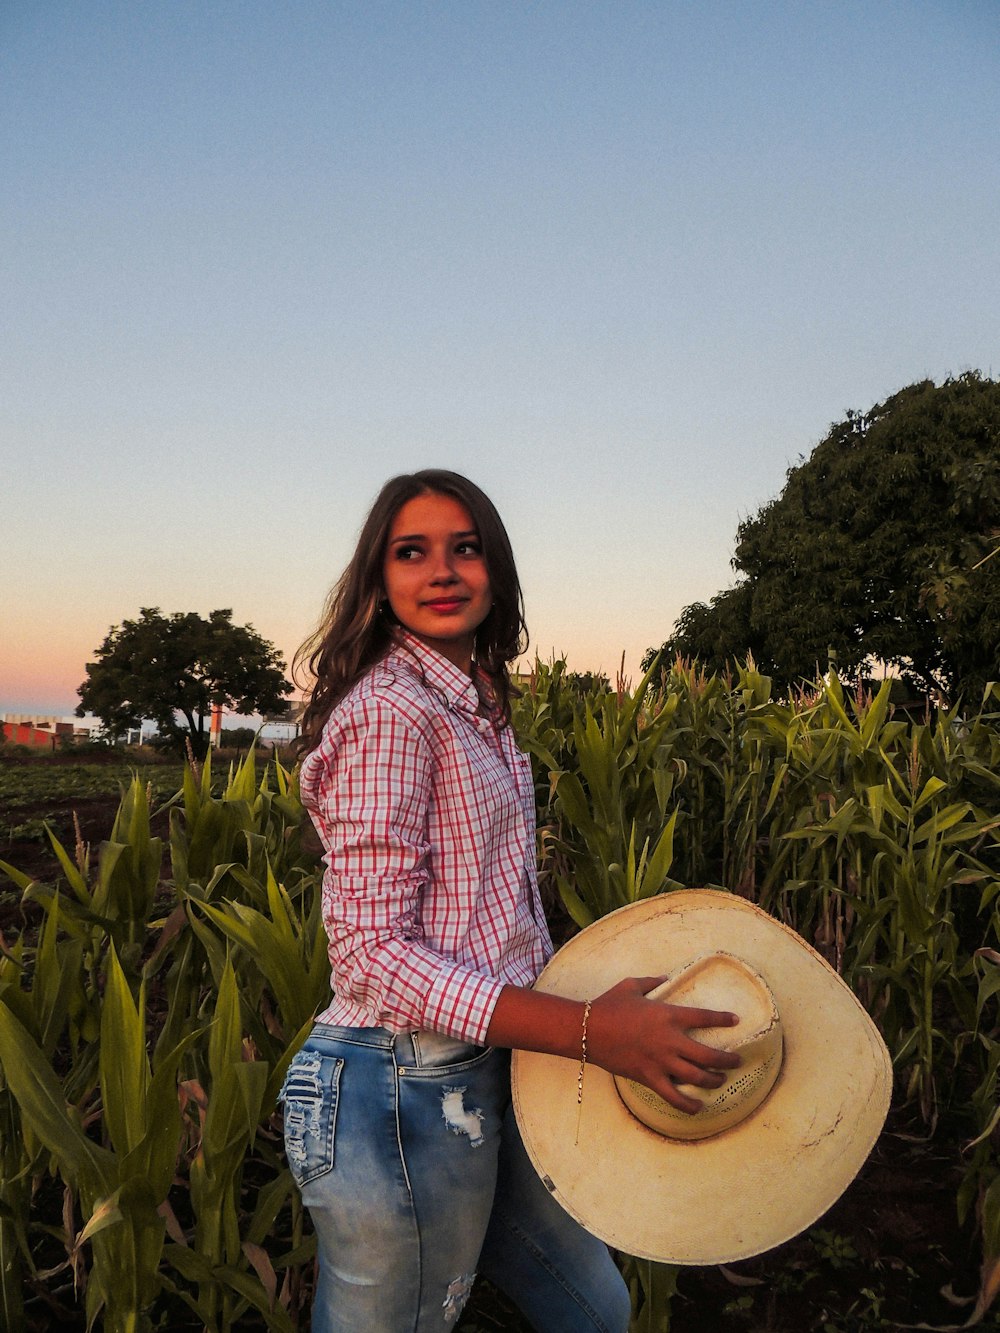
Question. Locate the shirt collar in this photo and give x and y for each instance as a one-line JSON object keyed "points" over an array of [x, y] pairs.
{"points": [[459, 690]]}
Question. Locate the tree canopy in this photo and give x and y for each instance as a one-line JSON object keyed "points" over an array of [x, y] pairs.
{"points": [[882, 547], [158, 666]]}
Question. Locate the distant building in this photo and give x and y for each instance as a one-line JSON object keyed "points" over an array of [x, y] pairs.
{"points": [[284, 726], [272, 727], [44, 731]]}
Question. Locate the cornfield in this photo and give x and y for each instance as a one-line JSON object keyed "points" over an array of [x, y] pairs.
{"points": [[146, 1029]]}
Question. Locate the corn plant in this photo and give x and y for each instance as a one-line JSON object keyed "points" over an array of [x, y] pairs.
{"points": [[152, 1150], [241, 1092], [874, 836], [46, 995], [115, 903], [120, 1186], [615, 839], [652, 1287], [248, 825], [281, 953], [16, 1169], [915, 863], [980, 1185]]}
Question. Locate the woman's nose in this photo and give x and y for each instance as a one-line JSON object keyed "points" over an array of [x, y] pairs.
{"points": [[443, 569]]}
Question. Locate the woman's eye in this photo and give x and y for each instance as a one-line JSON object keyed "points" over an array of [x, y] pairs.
{"points": [[406, 552], [468, 548]]}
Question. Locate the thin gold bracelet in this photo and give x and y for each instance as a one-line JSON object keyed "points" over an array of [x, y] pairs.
{"points": [[583, 1067]]}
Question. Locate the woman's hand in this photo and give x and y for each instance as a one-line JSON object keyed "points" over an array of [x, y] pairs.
{"points": [[626, 1034], [648, 1041]]}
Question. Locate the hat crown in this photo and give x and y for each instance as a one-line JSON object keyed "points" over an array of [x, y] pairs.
{"points": [[717, 981]]}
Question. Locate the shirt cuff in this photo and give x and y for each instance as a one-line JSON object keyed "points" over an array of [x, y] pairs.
{"points": [[460, 1004]]}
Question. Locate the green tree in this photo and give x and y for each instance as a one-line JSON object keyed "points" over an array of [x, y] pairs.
{"points": [[708, 630], [159, 666], [879, 548], [238, 738]]}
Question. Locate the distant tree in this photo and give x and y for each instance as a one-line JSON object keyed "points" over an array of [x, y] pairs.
{"points": [[586, 682], [158, 666], [707, 631], [880, 547], [238, 738]]}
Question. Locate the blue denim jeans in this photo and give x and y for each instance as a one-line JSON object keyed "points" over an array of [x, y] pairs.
{"points": [[409, 1160]]}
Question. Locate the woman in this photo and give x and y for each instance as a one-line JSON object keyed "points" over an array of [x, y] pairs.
{"points": [[398, 1125]]}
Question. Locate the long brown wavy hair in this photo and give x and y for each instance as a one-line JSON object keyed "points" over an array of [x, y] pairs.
{"points": [[356, 629]]}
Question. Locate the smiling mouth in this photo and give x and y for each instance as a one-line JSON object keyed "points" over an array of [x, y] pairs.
{"points": [[445, 603]]}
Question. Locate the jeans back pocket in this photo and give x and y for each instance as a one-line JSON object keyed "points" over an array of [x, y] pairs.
{"points": [[310, 1093]]}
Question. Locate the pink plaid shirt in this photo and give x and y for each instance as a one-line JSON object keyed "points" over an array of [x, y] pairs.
{"points": [[426, 812]]}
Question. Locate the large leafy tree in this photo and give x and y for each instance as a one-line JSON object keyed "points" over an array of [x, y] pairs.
{"points": [[882, 547], [160, 666]]}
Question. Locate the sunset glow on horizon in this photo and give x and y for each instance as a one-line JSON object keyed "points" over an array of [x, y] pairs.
{"points": [[621, 265]]}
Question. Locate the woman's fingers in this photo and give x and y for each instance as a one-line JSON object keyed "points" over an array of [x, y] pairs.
{"points": [[652, 1042], [669, 1086], [708, 1057], [692, 1017], [672, 1094], [704, 1018]]}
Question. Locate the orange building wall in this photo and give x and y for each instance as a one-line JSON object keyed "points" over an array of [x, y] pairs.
{"points": [[22, 733]]}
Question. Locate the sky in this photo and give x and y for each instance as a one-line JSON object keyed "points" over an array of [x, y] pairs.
{"points": [[623, 264]]}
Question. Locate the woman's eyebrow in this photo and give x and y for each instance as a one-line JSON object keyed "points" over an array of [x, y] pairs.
{"points": [[422, 537]]}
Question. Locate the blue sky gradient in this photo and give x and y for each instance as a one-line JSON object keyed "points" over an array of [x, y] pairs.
{"points": [[621, 263]]}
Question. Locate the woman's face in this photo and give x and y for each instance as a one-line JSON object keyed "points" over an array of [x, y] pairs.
{"points": [[435, 576]]}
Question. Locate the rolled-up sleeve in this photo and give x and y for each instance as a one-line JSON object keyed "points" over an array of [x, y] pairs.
{"points": [[374, 785]]}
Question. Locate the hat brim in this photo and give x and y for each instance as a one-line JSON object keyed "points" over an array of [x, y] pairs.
{"points": [[751, 1187]]}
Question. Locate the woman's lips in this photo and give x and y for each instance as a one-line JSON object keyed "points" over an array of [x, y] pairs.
{"points": [[445, 603]]}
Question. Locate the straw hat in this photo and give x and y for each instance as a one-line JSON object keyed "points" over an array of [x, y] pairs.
{"points": [[771, 1150]]}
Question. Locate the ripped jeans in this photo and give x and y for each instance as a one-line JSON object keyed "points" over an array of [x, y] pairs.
{"points": [[409, 1160]]}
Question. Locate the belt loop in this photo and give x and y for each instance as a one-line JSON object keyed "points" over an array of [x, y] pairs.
{"points": [[406, 1049]]}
